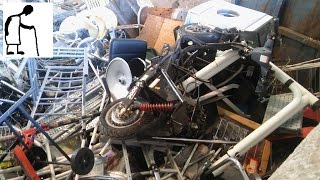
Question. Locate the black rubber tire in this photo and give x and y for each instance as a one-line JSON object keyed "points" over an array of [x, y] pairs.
{"points": [[36, 154], [122, 132], [82, 161]]}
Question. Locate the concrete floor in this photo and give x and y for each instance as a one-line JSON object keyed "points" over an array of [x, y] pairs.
{"points": [[303, 163]]}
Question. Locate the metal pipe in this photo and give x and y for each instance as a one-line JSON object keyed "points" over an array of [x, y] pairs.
{"points": [[201, 158], [210, 70], [96, 127], [302, 98], [63, 175], [10, 170], [172, 85], [126, 160], [227, 101], [218, 91], [234, 161], [174, 164], [103, 150], [49, 156], [196, 140], [186, 165], [12, 87]]}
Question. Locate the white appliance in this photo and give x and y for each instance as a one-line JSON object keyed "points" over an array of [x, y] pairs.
{"points": [[222, 14]]}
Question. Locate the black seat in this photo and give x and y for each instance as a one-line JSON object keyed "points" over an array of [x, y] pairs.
{"points": [[132, 51]]}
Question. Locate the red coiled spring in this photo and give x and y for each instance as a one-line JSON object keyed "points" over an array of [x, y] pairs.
{"points": [[156, 107]]}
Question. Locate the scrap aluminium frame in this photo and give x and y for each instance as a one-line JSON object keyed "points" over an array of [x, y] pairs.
{"points": [[302, 98], [69, 79]]}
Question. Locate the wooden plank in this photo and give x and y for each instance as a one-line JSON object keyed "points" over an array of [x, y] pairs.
{"points": [[158, 31], [151, 30], [242, 120], [299, 37], [265, 158], [166, 35], [156, 11]]}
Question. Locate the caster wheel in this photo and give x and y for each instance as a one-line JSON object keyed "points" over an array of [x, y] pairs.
{"points": [[82, 161]]}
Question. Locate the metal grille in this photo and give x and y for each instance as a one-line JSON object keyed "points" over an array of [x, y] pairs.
{"points": [[229, 131], [93, 101], [63, 86]]}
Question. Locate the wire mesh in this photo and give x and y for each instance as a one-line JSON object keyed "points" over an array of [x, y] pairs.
{"points": [[229, 131], [63, 86]]}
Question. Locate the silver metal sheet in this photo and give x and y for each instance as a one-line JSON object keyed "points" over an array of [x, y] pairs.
{"points": [[278, 102]]}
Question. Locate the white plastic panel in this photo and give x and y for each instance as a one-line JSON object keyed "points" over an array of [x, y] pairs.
{"points": [[218, 13]]}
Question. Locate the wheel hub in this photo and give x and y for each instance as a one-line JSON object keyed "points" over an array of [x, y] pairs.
{"points": [[115, 116]]}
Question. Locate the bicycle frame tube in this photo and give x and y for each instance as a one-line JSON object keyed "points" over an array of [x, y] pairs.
{"points": [[302, 98], [220, 63], [210, 70]]}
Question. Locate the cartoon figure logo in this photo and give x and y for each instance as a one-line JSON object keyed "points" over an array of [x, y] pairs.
{"points": [[13, 25]]}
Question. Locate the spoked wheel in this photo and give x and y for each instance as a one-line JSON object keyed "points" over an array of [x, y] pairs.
{"points": [[125, 126]]}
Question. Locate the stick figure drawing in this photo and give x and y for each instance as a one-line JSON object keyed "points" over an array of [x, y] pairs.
{"points": [[12, 30]]}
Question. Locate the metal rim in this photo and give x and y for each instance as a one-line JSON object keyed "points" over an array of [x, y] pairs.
{"points": [[113, 120]]}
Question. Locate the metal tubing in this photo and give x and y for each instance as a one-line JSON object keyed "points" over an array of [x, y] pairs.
{"points": [[96, 127], [196, 140], [210, 70], [172, 85], [174, 164], [218, 91], [227, 101], [12, 87], [234, 161], [302, 98], [103, 150], [149, 158], [10, 170], [6, 114], [186, 165], [49, 156], [126, 160], [32, 66], [21, 68], [201, 158]]}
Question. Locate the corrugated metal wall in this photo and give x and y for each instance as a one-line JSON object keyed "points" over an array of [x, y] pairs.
{"points": [[300, 32], [302, 18]]}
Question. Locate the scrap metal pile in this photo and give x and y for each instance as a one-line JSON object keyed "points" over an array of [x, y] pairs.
{"points": [[108, 107]]}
